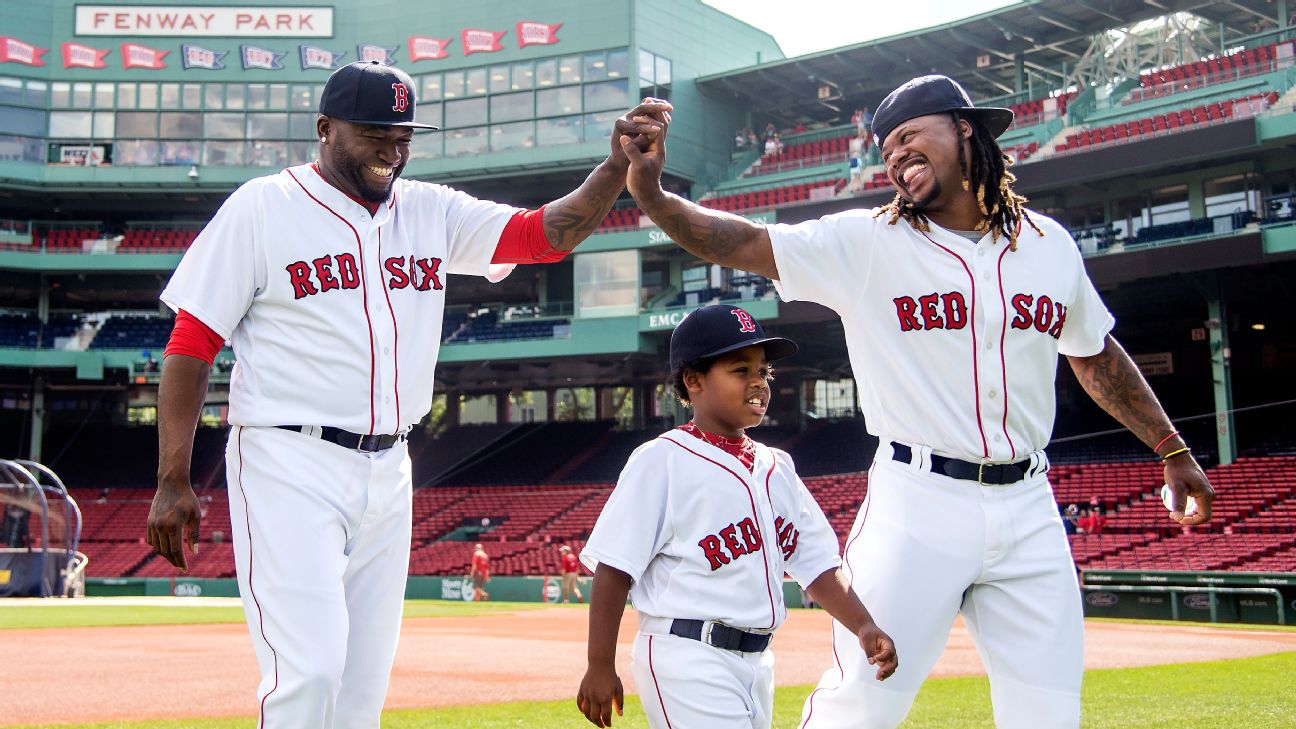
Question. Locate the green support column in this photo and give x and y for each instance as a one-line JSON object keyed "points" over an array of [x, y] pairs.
{"points": [[1282, 13], [37, 420], [1019, 72], [1222, 379]]}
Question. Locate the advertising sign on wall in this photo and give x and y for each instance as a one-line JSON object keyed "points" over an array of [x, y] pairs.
{"points": [[183, 20]]}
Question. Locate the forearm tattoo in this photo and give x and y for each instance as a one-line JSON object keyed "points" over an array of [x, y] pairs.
{"points": [[1117, 386], [571, 219], [710, 237]]}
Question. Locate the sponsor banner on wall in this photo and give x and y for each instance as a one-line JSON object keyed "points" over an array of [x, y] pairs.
{"points": [[81, 155], [531, 33], [254, 57], [372, 52], [198, 57], [428, 49], [135, 55], [316, 57], [188, 21], [481, 41], [13, 50], [76, 55]]}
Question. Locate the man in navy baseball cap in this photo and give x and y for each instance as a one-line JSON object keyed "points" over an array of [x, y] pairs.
{"points": [[718, 329], [367, 92]]}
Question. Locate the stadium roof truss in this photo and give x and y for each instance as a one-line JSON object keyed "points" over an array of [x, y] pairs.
{"points": [[1058, 42]]}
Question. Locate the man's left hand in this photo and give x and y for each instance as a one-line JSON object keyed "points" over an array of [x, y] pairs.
{"points": [[1185, 478]]}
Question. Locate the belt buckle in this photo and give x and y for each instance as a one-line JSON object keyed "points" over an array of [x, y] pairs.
{"points": [[981, 473], [369, 443], [707, 627]]}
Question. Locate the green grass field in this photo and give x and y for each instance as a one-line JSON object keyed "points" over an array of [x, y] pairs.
{"points": [[1247, 693]]}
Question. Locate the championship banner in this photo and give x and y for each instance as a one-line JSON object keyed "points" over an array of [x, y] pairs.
{"points": [[135, 55], [530, 33], [371, 52], [76, 55], [254, 57], [428, 49], [13, 50], [199, 57], [482, 41], [316, 57]]}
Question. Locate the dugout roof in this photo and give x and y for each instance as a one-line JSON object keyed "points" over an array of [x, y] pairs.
{"points": [[1047, 33]]}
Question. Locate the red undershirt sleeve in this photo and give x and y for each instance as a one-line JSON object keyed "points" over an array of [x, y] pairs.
{"points": [[524, 241], [193, 338]]}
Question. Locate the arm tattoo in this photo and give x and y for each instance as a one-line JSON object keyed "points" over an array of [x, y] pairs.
{"points": [[714, 238], [1116, 385], [572, 218]]}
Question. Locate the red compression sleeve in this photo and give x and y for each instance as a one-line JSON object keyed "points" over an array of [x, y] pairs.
{"points": [[524, 241], [193, 338]]}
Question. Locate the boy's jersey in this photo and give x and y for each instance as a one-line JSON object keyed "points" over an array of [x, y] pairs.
{"points": [[702, 538]]}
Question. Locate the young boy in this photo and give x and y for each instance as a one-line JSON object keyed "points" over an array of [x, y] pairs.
{"points": [[699, 531]]}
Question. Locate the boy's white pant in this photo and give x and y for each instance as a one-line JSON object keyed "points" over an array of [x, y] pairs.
{"points": [[926, 547], [321, 544], [686, 684]]}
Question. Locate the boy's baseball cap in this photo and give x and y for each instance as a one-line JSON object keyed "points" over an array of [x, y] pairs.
{"points": [[714, 330], [934, 95], [367, 92]]}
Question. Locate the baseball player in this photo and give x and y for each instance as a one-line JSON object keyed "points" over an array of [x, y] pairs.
{"points": [[479, 573], [330, 280], [956, 301], [570, 575], [699, 531]]}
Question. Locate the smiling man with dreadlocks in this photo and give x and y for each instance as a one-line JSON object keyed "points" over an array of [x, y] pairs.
{"points": [[956, 302]]}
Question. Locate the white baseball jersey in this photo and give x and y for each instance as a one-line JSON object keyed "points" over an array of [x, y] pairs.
{"points": [[953, 344], [335, 314], [704, 538], [954, 347]]}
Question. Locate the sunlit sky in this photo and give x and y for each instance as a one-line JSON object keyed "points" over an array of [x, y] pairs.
{"points": [[806, 26]]}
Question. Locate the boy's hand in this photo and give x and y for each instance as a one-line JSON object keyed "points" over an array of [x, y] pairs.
{"points": [[879, 648], [600, 692]]}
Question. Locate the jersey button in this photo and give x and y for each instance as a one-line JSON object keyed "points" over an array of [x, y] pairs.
{"points": [[993, 394], [981, 251], [998, 438], [386, 350]]}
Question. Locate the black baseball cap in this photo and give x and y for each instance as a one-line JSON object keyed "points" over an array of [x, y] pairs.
{"points": [[934, 95], [714, 330], [368, 92]]}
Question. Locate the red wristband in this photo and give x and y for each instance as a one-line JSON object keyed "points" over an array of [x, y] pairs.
{"points": [[1157, 447]]}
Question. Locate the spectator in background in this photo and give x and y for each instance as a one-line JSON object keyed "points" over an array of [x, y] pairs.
{"points": [[752, 139], [480, 573], [866, 120], [770, 130], [570, 575], [1069, 517], [1096, 522], [799, 128], [1082, 522], [740, 140], [858, 145]]}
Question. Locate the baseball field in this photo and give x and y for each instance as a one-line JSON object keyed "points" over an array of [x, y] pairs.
{"points": [[187, 663]]}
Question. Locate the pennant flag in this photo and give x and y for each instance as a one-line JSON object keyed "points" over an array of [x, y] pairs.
{"points": [[427, 49], [135, 55], [13, 50], [254, 57], [76, 55], [199, 57], [530, 33], [315, 57], [371, 52], [482, 41]]}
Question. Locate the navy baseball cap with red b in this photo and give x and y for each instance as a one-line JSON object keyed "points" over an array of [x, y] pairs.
{"points": [[721, 328], [368, 92]]}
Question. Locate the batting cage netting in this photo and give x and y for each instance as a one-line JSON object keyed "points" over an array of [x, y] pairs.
{"points": [[40, 528]]}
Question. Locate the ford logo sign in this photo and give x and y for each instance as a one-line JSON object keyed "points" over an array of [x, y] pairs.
{"points": [[1102, 599], [1198, 601]]}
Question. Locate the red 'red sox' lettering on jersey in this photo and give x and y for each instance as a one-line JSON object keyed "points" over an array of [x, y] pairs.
{"points": [[318, 275], [730, 543], [788, 535], [1048, 316], [932, 311]]}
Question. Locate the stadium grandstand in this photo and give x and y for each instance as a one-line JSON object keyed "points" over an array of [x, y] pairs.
{"points": [[1164, 140]]}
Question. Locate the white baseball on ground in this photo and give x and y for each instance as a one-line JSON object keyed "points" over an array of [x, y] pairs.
{"points": [[1190, 506]]}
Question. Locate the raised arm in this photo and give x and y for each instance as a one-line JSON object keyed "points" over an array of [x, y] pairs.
{"points": [[1114, 382], [711, 235], [573, 217]]}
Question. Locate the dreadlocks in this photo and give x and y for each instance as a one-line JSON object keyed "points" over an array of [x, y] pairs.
{"points": [[987, 172]]}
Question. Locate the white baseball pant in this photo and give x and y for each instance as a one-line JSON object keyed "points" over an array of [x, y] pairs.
{"points": [[687, 684], [926, 547], [321, 545]]}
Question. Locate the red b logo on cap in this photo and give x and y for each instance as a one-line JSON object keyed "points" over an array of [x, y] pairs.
{"points": [[402, 97], [744, 320]]}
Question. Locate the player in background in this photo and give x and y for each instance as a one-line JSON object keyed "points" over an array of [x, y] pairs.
{"points": [[956, 302], [699, 531], [329, 280], [479, 573], [570, 575]]}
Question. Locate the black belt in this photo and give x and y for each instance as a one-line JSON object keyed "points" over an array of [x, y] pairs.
{"points": [[347, 439], [994, 474], [721, 636]]}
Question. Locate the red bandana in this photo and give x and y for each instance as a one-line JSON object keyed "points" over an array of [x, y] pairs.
{"points": [[743, 448]]}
